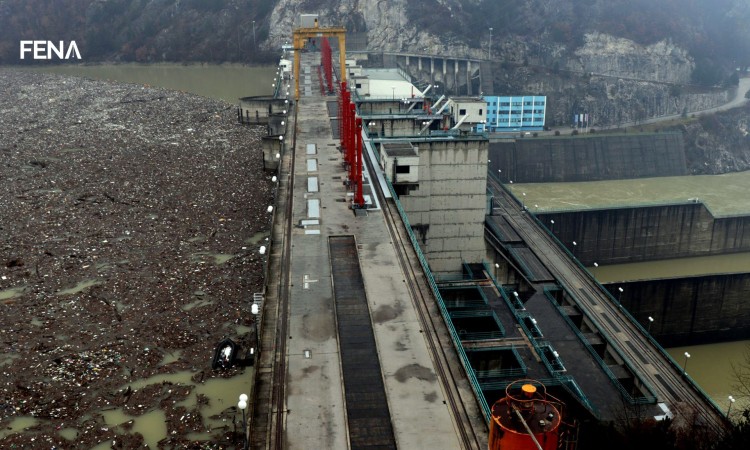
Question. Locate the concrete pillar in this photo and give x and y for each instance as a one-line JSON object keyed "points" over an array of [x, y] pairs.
{"points": [[271, 147], [455, 72], [432, 70], [468, 77], [419, 63]]}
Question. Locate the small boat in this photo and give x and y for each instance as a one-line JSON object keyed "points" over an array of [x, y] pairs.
{"points": [[224, 355]]}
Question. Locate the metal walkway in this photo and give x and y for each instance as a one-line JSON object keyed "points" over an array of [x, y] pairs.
{"points": [[367, 414]]}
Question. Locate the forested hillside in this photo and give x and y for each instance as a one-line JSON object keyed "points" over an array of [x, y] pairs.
{"points": [[716, 32], [141, 30]]}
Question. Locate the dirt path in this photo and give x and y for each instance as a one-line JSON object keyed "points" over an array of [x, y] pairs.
{"points": [[128, 217]]}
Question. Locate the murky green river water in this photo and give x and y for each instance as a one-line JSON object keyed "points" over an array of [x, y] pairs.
{"points": [[725, 195], [227, 82]]}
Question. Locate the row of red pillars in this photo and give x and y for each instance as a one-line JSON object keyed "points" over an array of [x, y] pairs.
{"points": [[350, 133]]}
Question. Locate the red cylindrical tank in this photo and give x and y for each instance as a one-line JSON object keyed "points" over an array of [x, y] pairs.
{"points": [[525, 411]]}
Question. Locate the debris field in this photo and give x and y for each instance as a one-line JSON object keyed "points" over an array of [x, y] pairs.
{"points": [[131, 221]]}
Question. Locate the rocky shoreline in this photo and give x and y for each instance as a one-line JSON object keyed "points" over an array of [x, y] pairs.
{"points": [[131, 219]]}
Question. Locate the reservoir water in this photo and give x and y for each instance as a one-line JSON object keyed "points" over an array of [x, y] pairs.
{"points": [[227, 82], [724, 195]]}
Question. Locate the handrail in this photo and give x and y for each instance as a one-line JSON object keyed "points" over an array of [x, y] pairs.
{"points": [[443, 310]]}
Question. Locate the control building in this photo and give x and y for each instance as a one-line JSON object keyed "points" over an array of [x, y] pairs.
{"points": [[508, 114]]}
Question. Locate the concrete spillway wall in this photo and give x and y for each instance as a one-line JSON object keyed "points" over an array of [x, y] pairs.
{"points": [[447, 204], [633, 234], [693, 310], [589, 158]]}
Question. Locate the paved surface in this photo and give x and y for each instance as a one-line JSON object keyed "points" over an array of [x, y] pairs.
{"points": [[367, 414], [315, 405]]}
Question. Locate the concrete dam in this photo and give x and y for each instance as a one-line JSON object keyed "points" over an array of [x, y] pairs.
{"points": [[588, 158], [698, 308]]}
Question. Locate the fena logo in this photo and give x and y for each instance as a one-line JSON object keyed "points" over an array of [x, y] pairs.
{"points": [[45, 50]]}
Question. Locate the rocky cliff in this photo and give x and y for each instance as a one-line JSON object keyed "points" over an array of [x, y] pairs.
{"points": [[603, 54], [718, 143]]}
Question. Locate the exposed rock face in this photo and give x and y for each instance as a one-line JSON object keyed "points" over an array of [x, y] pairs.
{"points": [[385, 23], [607, 55], [718, 143]]}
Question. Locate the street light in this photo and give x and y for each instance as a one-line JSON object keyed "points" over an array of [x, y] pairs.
{"points": [[489, 51], [552, 226], [684, 365], [731, 400], [242, 405], [650, 321], [619, 296]]}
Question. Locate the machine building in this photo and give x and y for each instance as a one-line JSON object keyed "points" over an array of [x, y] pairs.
{"points": [[517, 113]]}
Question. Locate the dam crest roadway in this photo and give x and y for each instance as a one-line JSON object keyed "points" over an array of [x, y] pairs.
{"points": [[362, 346]]}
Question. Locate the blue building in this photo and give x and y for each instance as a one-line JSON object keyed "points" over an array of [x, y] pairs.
{"points": [[524, 113]]}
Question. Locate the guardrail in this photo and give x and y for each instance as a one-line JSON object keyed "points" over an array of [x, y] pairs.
{"points": [[443, 310], [519, 312], [611, 298]]}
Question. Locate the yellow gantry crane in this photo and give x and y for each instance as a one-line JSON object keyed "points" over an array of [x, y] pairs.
{"points": [[302, 34]]}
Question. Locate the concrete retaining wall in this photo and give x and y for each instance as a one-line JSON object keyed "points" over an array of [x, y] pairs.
{"points": [[258, 110], [589, 158], [687, 311], [622, 235]]}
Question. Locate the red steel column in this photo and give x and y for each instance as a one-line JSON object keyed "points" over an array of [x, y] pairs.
{"points": [[342, 115], [359, 199], [352, 142]]}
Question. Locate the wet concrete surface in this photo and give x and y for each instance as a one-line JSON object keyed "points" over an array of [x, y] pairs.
{"points": [[127, 213]]}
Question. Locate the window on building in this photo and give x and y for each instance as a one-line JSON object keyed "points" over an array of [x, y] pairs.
{"points": [[403, 169], [358, 85], [480, 111], [405, 189], [462, 112]]}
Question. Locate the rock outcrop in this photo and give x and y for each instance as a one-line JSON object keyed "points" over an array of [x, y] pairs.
{"points": [[603, 54]]}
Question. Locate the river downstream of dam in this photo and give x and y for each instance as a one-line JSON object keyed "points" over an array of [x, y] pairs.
{"points": [[710, 365]]}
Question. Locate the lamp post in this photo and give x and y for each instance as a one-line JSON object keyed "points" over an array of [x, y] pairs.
{"points": [[242, 404], [684, 365], [552, 226], [619, 296], [489, 50], [650, 321], [255, 310], [731, 400]]}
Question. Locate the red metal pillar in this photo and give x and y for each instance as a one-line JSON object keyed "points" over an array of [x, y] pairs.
{"points": [[342, 115], [359, 199], [352, 141]]}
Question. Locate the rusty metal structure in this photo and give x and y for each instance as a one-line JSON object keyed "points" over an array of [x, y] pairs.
{"points": [[301, 35], [528, 418]]}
